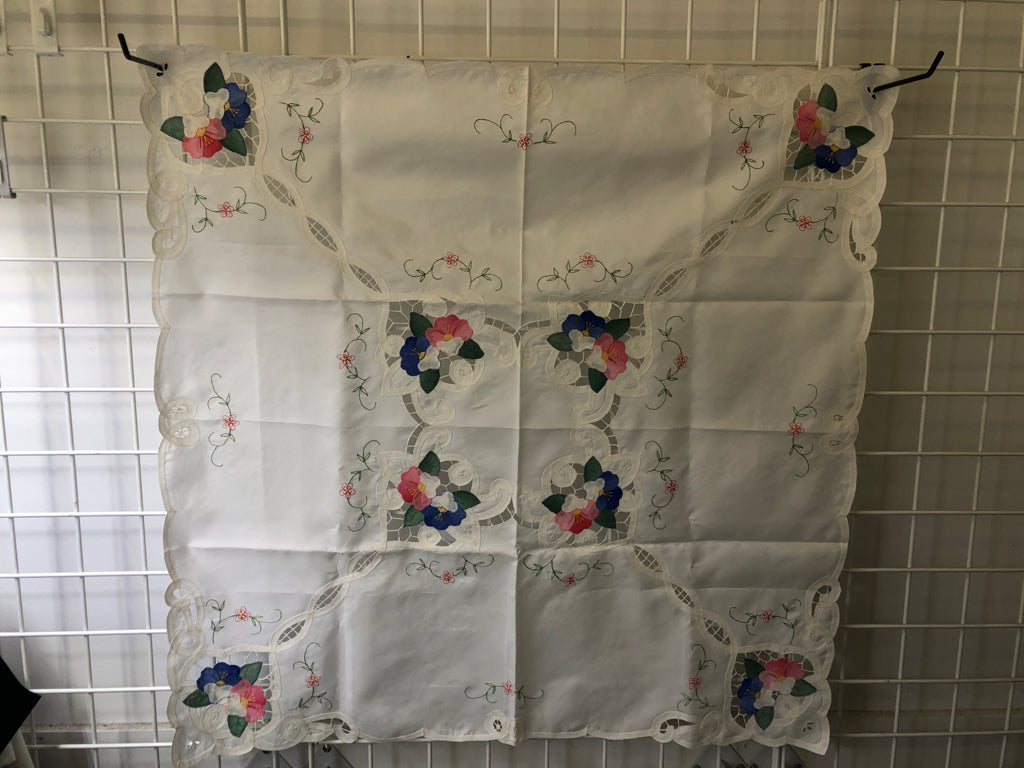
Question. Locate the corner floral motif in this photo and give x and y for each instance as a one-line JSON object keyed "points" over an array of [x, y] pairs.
{"points": [[218, 126], [597, 504], [452, 261], [697, 680], [744, 149], [796, 428], [804, 222], [313, 681], [661, 500], [348, 488], [233, 688], [229, 422], [297, 157], [573, 577], [586, 261], [599, 341], [446, 576], [767, 616], [679, 362], [763, 687], [226, 209], [347, 359], [827, 145], [490, 693], [429, 503], [420, 355], [526, 140], [240, 614]]}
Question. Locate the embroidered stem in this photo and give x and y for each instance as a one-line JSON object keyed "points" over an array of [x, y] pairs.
{"points": [[804, 223], [749, 164], [452, 260], [298, 156], [229, 422], [573, 577], [679, 361], [766, 616], [241, 614], [225, 209], [312, 681], [586, 261], [348, 489], [446, 576], [666, 477], [796, 428], [490, 691], [697, 680], [550, 130], [347, 360]]}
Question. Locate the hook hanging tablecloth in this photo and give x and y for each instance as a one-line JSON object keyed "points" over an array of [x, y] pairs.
{"points": [[501, 403]]}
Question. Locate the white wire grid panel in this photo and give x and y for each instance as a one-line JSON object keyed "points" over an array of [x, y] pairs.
{"points": [[929, 647]]}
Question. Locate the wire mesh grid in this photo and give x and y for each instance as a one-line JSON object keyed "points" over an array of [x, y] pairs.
{"points": [[928, 651]]}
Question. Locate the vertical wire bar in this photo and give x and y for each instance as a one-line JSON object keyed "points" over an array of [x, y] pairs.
{"points": [[351, 27], [557, 23], [661, 755], [430, 754], [923, 417], [819, 41], [547, 753], [419, 28], [243, 27], [282, 12], [689, 28], [622, 35], [753, 36], [487, 28], [309, 754], [487, 754], [66, 379], [369, 755], [175, 25], [604, 753], [832, 33], [1013, 672]]}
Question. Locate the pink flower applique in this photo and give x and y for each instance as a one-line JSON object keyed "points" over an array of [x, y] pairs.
{"points": [[803, 223], [229, 422], [417, 487], [203, 136], [813, 123], [577, 514], [588, 260], [447, 577], [448, 333], [680, 361], [671, 487], [247, 700], [744, 148], [346, 359], [305, 136], [312, 680], [796, 428], [608, 356], [695, 682], [765, 616], [242, 613], [227, 210], [451, 259], [780, 675], [508, 687], [570, 580], [525, 140], [347, 490]]}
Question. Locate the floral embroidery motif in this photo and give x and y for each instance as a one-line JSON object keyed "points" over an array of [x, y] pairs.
{"points": [[297, 157], [760, 690], [796, 428], [240, 614], [233, 688], [448, 576], [429, 503], [348, 489], [600, 499], [420, 354], [696, 681], [347, 360], [766, 616], [575, 576], [490, 693], [679, 361], [586, 261], [229, 421], [804, 223], [312, 681], [225, 209], [671, 486], [218, 127], [598, 340], [525, 140], [827, 146], [744, 148], [450, 261]]}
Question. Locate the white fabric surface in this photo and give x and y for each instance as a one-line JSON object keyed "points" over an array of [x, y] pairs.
{"points": [[535, 519]]}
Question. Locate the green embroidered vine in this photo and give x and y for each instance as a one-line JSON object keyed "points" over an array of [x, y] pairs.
{"points": [[240, 614], [348, 489], [679, 361], [525, 140], [696, 681], [766, 616], [347, 360], [796, 428], [744, 149], [490, 691], [225, 209], [451, 260], [313, 681], [297, 156], [671, 486], [229, 422], [586, 261], [572, 578], [804, 223], [448, 576]]}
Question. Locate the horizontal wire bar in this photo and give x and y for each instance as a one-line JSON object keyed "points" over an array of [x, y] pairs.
{"points": [[926, 680], [1009, 625], [937, 512], [114, 689], [82, 452], [41, 515], [118, 745], [71, 121], [84, 633], [74, 326], [927, 270], [931, 393], [72, 390], [74, 259], [942, 204], [77, 574], [917, 734], [936, 569], [73, 191], [973, 454]]}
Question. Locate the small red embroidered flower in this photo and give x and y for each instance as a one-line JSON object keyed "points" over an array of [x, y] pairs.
{"points": [[765, 616], [451, 259], [447, 577], [588, 260], [312, 680], [695, 682], [671, 487], [681, 361], [570, 580], [347, 490], [508, 687], [227, 210], [305, 136], [803, 223], [796, 428], [229, 422], [346, 360], [525, 140], [242, 613], [744, 148]]}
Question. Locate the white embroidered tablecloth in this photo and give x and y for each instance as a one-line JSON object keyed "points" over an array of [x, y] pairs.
{"points": [[503, 403]]}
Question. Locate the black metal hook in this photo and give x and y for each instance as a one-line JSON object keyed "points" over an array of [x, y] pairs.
{"points": [[160, 68], [905, 80]]}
